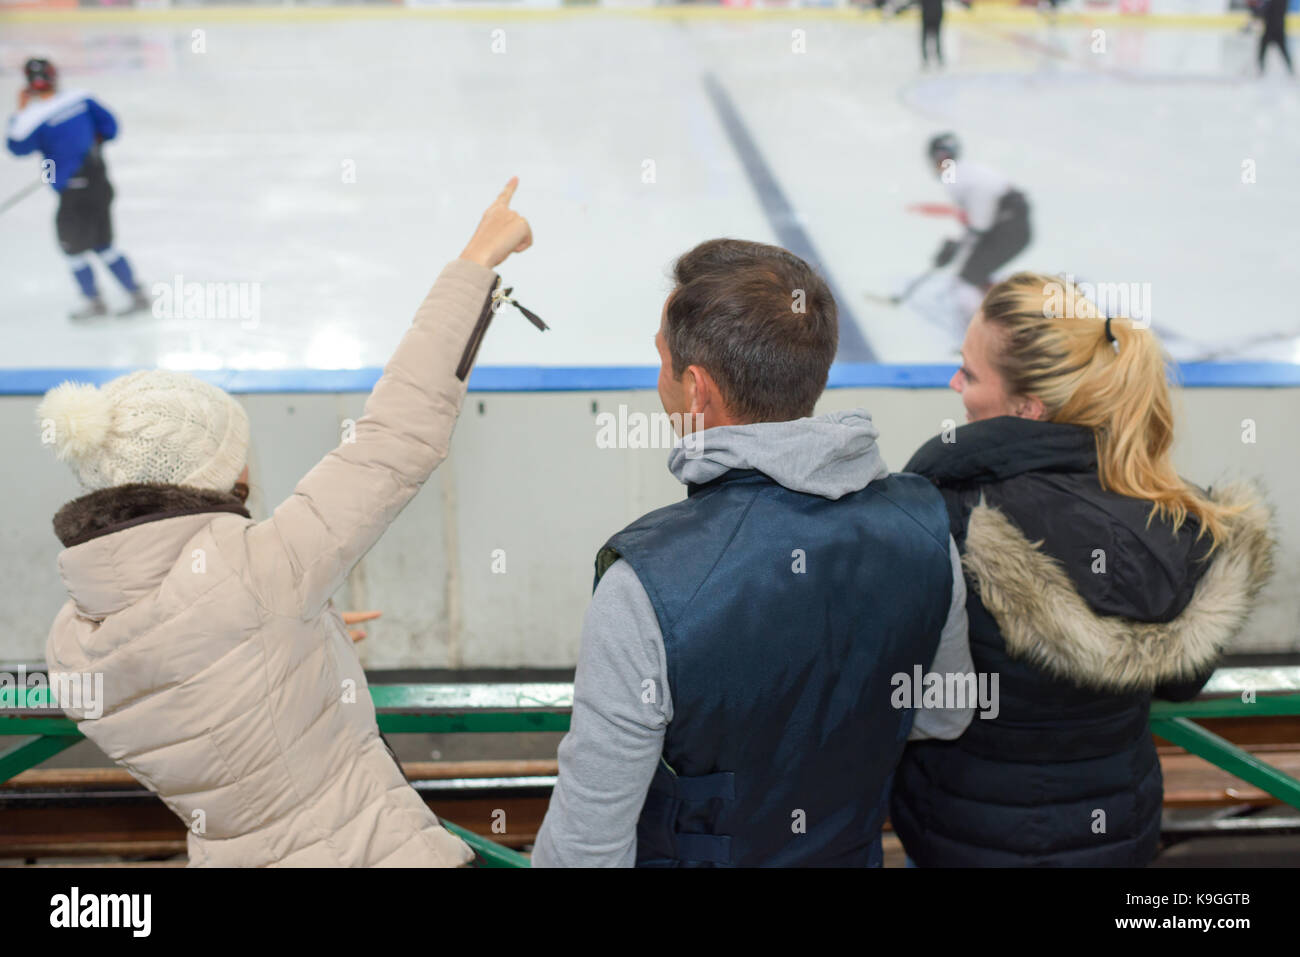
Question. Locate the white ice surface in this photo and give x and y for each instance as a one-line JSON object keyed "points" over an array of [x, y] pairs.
{"points": [[229, 169]]}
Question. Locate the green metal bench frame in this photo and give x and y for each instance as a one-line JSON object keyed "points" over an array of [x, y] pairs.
{"points": [[402, 709], [454, 709]]}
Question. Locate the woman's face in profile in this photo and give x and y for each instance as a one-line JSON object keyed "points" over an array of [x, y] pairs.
{"points": [[981, 388]]}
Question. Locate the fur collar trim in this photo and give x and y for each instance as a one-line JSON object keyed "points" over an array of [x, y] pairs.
{"points": [[109, 510], [1044, 620]]}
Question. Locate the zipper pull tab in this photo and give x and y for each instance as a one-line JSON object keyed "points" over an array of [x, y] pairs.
{"points": [[531, 316], [500, 295]]}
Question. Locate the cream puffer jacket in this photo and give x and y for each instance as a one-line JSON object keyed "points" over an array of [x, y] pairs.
{"points": [[231, 687]]}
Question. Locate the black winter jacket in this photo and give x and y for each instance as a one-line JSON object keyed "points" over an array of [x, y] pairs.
{"points": [[1084, 610]]}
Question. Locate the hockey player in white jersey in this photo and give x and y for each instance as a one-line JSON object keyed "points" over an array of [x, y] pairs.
{"points": [[996, 216]]}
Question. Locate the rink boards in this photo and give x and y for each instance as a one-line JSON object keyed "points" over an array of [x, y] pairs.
{"points": [[491, 565]]}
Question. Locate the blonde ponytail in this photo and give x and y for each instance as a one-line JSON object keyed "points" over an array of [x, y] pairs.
{"points": [[1118, 389]]}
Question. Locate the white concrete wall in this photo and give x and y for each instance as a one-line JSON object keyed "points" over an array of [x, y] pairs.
{"points": [[525, 476]]}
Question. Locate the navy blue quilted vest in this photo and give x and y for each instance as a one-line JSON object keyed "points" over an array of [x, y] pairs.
{"points": [[784, 617]]}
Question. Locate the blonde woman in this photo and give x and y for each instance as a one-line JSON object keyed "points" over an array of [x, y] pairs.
{"points": [[1097, 579], [231, 687]]}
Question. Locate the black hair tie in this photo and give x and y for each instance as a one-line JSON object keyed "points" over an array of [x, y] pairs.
{"points": [[1110, 336]]}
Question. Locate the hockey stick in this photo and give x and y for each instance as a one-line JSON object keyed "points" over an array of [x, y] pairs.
{"points": [[1210, 352], [907, 291], [1227, 350], [19, 196]]}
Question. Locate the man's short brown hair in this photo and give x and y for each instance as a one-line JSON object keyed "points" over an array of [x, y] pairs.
{"points": [[760, 320]]}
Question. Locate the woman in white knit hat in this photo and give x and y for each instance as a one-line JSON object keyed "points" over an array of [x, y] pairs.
{"points": [[231, 687]]}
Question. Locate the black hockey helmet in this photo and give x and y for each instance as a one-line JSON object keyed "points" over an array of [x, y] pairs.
{"points": [[41, 74], [944, 146]]}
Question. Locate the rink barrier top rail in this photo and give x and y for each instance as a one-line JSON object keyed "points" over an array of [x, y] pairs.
{"points": [[545, 706], [844, 375]]}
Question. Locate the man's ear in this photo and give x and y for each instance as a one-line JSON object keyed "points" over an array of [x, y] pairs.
{"points": [[706, 398], [697, 383], [704, 391]]}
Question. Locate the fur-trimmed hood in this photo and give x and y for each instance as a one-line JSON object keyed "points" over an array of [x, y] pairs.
{"points": [[1084, 582], [1044, 619], [123, 541], [113, 509]]}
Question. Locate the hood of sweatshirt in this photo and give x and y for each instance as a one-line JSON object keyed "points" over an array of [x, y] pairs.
{"points": [[829, 455]]}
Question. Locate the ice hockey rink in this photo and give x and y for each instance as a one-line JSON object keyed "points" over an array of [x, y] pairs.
{"points": [[323, 168]]}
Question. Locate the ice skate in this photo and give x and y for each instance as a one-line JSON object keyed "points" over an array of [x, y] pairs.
{"points": [[139, 303], [93, 309]]}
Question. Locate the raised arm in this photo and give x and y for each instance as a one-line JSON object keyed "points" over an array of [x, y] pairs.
{"points": [[301, 555], [21, 135]]}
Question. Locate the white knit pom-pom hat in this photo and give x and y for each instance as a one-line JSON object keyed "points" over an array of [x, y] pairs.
{"points": [[155, 426]]}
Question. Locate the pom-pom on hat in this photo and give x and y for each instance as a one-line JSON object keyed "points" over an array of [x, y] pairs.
{"points": [[155, 426]]}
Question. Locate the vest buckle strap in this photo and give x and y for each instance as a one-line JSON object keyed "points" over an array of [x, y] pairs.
{"points": [[720, 785], [703, 848]]}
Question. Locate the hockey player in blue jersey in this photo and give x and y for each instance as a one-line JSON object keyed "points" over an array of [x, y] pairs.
{"points": [[68, 128]]}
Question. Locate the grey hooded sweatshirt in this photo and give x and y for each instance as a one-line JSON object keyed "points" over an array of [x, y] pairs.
{"points": [[616, 734]]}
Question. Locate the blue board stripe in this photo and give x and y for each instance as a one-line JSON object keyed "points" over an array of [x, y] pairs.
{"points": [[783, 218], [844, 375]]}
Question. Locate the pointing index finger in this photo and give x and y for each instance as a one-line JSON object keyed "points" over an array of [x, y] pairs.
{"points": [[509, 191]]}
